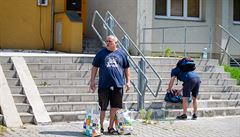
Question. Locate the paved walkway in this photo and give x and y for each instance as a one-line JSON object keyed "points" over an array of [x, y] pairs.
{"points": [[203, 127]]}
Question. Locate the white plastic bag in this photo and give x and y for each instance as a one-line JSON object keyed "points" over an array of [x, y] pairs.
{"points": [[123, 122], [92, 127]]}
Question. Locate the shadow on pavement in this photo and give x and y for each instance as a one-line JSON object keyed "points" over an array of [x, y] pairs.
{"points": [[65, 133]]}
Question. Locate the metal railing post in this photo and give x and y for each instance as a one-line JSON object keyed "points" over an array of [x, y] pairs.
{"points": [[185, 41], [225, 49], [125, 42], [141, 83], [110, 23]]}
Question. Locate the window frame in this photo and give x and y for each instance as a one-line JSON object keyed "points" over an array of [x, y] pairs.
{"points": [[235, 22], [184, 17]]}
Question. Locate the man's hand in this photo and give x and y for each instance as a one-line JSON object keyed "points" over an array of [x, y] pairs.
{"points": [[93, 85], [127, 86]]}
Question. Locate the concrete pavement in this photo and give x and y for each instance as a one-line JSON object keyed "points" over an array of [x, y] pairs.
{"points": [[202, 127]]}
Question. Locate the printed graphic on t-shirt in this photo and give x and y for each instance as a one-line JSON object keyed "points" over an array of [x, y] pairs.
{"points": [[111, 61]]}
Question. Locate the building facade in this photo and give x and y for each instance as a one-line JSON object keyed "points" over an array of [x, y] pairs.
{"points": [[189, 26]]}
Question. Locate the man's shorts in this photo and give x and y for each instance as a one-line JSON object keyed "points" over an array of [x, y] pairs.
{"points": [[192, 85], [112, 95]]}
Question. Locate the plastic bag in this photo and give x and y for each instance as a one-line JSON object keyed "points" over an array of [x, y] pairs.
{"points": [[123, 122], [92, 127]]}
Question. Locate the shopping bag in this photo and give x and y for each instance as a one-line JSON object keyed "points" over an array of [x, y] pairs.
{"points": [[123, 122], [92, 127]]}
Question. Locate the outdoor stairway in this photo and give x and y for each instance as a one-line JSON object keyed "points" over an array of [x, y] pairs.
{"points": [[21, 102], [63, 83]]}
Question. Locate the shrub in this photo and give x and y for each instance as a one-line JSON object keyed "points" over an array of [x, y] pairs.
{"points": [[234, 72]]}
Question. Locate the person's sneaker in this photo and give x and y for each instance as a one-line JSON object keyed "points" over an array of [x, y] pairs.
{"points": [[194, 116], [182, 117]]}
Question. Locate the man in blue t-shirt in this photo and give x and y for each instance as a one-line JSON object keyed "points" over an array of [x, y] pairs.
{"points": [[191, 83], [113, 66]]}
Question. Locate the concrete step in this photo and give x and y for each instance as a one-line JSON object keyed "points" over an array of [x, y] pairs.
{"points": [[7, 66], [59, 66], [14, 81], [156, 113], [69, 89], [19, 98], [152, 81], [93, 97], [88, 66], [89, 58], [16, 89], [26, 117], [206, 112], [80, 58], [10, 74], [86, 74], [67, 116], [23, 107], [4, 59], [156, 104]]}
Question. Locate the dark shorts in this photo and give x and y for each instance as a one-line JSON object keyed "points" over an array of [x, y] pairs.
{"points": [[192, 85], [108, 95]]}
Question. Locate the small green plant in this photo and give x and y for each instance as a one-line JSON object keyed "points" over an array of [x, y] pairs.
{"points": [[149, 114], [142, 114], [167, 52], [234, 72], [44, 83]]}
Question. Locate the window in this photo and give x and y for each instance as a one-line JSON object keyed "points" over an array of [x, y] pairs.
{"points": [[178, 9], [236, 11]]}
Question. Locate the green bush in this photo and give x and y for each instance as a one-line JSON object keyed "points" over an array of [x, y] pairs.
{"points": [[234, 72]]}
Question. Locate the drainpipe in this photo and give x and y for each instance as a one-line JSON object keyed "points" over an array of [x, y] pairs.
{"points": [[52, 24]]}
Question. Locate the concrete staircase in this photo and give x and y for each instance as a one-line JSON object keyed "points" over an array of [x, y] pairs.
{"points": [[63, 83], [20, 99]]}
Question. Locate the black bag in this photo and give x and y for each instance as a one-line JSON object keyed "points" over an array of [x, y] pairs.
{"points": [[172, 97], [186, 64]]}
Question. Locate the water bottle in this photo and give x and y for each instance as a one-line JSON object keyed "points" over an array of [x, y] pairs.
{"points": [[205, 55]]}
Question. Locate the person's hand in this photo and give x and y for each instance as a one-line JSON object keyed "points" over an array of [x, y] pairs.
{"points": [[178, 92], [127, 86], [169, 90], [93, 85]]}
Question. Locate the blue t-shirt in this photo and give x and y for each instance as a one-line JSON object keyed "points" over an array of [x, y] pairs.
{"points": [[183, 76], [111, 67]]}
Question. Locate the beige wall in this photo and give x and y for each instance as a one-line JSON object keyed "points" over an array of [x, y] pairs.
{"points": [[234, 30], [194, 35], [125, 12]]}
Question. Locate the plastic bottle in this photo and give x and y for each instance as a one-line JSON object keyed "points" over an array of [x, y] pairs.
{"points": [[205, 55]]}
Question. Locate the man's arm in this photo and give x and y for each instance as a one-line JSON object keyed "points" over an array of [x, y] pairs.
{"points": [[170, 84], [127, 77], [92, 80]]}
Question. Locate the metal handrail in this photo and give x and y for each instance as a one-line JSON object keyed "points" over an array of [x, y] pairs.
{"points": [[226, 46], [142, 55], [185, 38], [219, 46], [224, 29], [135, 66]]}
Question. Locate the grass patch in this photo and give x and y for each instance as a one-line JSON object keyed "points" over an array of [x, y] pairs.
{"points": [[234, 72]]}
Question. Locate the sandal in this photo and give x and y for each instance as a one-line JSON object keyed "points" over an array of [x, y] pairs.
{"points": [[112, 131], [102, 130]]}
